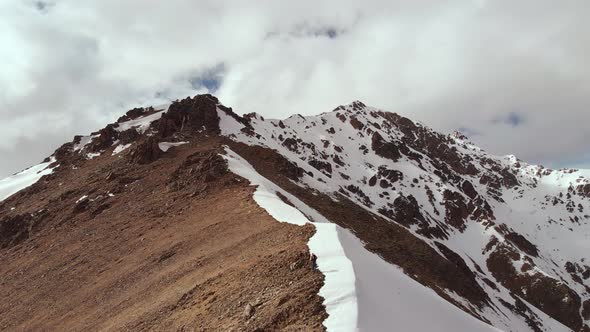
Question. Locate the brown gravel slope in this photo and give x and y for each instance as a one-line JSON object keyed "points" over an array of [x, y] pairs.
{"points": [[181, 246]]}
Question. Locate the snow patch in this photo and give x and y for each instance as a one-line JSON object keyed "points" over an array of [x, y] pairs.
{"points": [[227, 124], [140, 124], [22, 180], [85, 140], [389, 298], [121, 148], [165, 146], [92, 155]]}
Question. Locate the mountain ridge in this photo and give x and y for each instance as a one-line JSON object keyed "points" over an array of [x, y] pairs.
{"points": [[486, 233]]}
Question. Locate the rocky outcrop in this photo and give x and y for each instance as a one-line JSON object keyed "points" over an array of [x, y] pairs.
{"points": [[135, 113], [198, 171], [456, 208], [190, 115], [437, 146], [105, 139], [584, 190], [385, 149], [128, 136], [356, 124], [322, 166], [145, 152], [14, 229], [586, 310], [407, 212]]}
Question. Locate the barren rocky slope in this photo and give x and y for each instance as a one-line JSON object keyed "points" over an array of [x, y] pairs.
{"points": [[113, 243], [144, 225]]}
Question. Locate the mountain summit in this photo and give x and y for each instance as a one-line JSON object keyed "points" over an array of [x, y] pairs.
{"points": [[190, 217]]}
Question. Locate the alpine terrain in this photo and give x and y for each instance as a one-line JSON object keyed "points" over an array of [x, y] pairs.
{"points": [[190, 217]]}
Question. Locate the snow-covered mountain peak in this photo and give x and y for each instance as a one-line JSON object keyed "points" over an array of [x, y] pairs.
{"points": [[525, 227]]}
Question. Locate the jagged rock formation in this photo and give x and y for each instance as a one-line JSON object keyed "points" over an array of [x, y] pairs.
{"points": [[501, 240]]}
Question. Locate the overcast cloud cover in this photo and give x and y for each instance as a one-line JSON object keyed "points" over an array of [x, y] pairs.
{"points": [[513, 75]]}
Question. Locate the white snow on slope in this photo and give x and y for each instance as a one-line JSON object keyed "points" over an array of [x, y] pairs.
{"points": [[85, 140], [120, 148], [329, 135], [165, 146], [388, 298], [362, 292], [140, 124], [338, 290], [20, 181]]}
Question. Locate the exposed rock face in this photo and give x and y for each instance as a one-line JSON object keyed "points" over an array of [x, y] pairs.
{"points": [[198, 171], [14, 229], [105, 139], [190, 114], [456, 209], [468, 189], [522, 243], [390, 174], [407, 211], [385, 149], [584, 190], [436, 145], [134, 114], [586, 310], [146, 152], [63, 152], [550, 295], [356, 124], [166, 126], [322, 166], [128, 136]]}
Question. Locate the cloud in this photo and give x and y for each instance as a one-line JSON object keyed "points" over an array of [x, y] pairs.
{"points": [[307, 30], [513, 119], [209, 78], [471, 133], [43, 6], [328, 32], [70, 66]]}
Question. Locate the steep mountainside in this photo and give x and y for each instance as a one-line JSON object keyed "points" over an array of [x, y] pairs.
{"points": [[150, 223]]}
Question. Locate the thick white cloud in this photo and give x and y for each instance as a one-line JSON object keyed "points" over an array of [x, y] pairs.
{"points": [[513, 74]]}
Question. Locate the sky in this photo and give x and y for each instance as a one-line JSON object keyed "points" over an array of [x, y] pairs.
{"points": [[512, 75]]}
